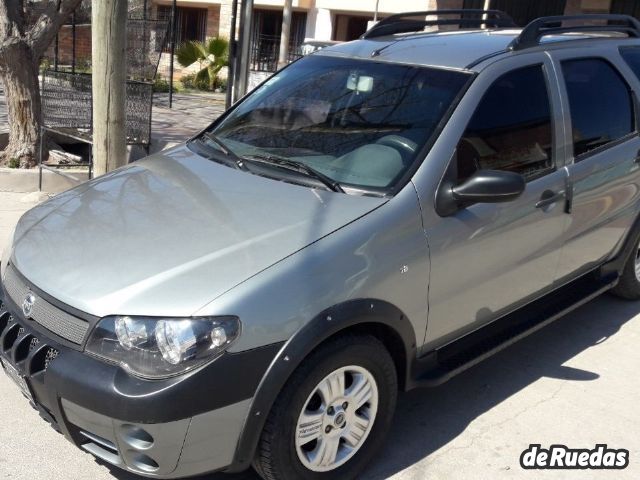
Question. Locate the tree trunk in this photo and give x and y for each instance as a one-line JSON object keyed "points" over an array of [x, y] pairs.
{"points": [[19, 72]]}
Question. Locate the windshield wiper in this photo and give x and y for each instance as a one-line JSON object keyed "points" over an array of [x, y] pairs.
{"points": [[235, 160], [296, 167], [212, 137]]}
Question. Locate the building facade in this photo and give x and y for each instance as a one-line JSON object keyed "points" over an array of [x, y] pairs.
{"points": [[343, 21]]}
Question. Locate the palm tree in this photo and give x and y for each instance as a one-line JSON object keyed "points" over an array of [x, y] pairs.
{"points": [[212, 55]]}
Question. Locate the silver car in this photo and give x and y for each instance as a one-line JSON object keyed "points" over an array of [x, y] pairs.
{"points": [[378, 216]]}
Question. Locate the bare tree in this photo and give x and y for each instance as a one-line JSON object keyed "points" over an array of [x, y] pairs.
{"points": [[24, 38]]}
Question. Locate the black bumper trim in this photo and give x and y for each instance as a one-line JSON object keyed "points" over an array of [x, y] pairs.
{"points": [[109, 390]]}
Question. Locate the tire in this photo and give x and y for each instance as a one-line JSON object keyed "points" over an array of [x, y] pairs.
{"points": [[628, 286], [366, 366]]}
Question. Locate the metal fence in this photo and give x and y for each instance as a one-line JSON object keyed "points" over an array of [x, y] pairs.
{"points": [[66, 99], [146, 37], [265, 50], [67, 103], [67, 86]]}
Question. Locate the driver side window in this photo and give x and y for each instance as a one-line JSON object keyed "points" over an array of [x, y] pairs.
{"points": [[511, 128]]}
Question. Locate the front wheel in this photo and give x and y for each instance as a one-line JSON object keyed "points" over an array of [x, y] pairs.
{"points": [[332, 415]]}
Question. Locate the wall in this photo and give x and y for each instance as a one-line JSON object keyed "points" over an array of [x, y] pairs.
{"points": [[65, 45], [213, 21]]}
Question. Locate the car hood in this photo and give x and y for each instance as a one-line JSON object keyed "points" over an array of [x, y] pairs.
{"points": [[170, 233]]}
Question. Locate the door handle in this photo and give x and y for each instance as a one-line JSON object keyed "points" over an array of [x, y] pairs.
{"points": [[550, 197], [637, 159]]}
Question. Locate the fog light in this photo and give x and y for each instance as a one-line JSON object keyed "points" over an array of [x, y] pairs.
{"points": [[143, 462], [137, 437]]}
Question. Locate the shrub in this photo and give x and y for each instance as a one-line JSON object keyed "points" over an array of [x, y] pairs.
{"points": [[83, 65], [190, 81], [45, 64], [221, 84], [162, 86], [211, 56]]}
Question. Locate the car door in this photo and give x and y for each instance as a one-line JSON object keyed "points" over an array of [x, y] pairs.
{"points": [[602, 155], [486, 259]]}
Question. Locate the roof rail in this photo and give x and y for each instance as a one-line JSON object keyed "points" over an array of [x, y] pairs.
{"points": [[417, 21], [540, 27]]}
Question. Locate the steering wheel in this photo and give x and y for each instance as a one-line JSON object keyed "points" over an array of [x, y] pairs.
{"points": [[406, 147]]}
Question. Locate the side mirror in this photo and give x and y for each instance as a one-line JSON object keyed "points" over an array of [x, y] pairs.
{"points": [[489, 186], [484, 186]]}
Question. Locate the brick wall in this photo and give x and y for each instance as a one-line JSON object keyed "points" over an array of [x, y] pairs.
{"points": [[65, 45], [213, 21]]}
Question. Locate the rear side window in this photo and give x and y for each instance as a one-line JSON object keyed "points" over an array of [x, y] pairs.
{"points": [[511, 128], [600, 102]]}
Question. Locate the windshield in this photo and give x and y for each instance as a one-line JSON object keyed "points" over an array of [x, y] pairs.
{"points": [[359, 123]]}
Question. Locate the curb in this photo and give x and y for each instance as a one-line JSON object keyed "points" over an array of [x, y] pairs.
{"points": [[26, 181]]}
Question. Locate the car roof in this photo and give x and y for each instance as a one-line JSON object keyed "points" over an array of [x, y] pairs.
{"points": [[460, 49]]}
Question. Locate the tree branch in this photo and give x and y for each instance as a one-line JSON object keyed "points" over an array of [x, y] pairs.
{"points": [[11, 19], [47, 26]]}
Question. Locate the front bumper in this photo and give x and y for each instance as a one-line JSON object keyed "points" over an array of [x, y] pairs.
{"points": [[173, 428]]}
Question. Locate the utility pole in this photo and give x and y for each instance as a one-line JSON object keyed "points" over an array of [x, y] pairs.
{"points": [[233, 55], [487, 6], [283, 57], [174, 24], [244, 51], [109, 66]]}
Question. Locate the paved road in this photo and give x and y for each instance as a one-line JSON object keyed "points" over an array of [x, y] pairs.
{"points": [[574, 383], [190, 114]]}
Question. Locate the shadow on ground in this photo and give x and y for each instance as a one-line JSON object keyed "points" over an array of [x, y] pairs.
{"points": [[428, 419]]}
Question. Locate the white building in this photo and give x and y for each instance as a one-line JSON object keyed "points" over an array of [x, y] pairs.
{"points": [[346, 20]]}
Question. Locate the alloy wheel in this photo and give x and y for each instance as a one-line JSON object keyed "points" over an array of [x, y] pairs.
{"points": [[336, 418]]}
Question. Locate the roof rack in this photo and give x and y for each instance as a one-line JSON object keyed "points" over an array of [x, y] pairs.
{"points": [[417, 21], [543, 26]]}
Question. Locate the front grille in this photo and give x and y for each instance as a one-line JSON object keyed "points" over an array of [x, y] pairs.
{"points": [[61, 323], [18, 344], [50, 356]]}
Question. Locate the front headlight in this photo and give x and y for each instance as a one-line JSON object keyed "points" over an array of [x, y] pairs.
{"points": [[152, 347]]}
